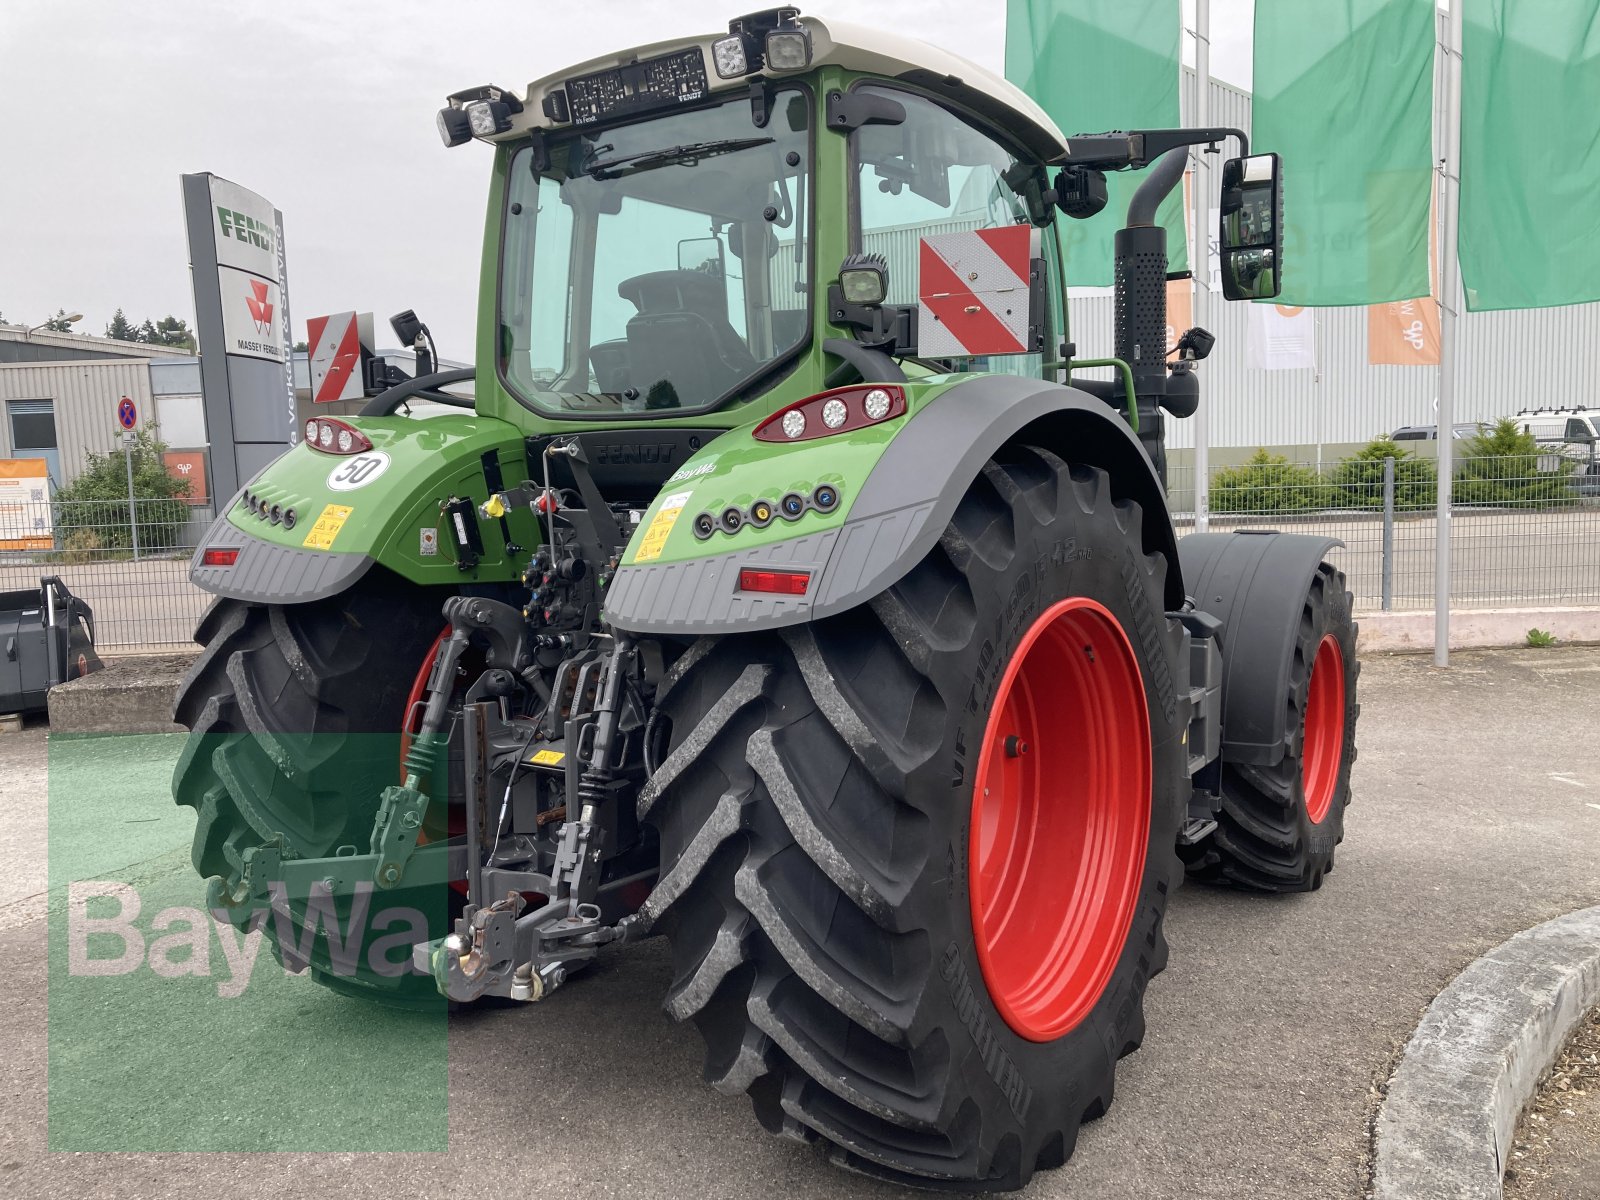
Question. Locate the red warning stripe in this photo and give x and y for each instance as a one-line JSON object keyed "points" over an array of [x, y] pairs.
{"points": [[345, 358], [959, 309]]}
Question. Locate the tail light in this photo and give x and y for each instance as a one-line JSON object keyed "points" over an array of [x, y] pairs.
{"points": [[782, 583], [333, 436], [839, 411], [220, 558]]}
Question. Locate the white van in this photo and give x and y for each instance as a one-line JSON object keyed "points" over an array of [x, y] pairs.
{"points": [[1572, 434]]}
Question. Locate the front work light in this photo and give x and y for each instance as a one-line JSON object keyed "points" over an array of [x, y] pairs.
{"points": [[488, 117], [454, 128], [864, 279], [788, 50], [729, 57]]}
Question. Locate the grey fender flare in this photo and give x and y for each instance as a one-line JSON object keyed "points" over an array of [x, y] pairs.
{"points": [[900, 511], [1255, 583]]}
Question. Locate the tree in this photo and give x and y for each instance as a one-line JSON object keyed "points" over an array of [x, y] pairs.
{"points": [[91, 512], [147, 333], [301, 346], [1268, 483], [1504, 465], [59, 322], [173, 331], [121, 328], [1360, 477]]}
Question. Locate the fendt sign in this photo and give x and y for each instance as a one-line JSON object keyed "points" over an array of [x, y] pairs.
{"points": [[241, 298]]}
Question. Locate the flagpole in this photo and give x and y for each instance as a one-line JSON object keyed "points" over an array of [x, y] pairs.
{"points": [[1449, 316], [1200, 255]]}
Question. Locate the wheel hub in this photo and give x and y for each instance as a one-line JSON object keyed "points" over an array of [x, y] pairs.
{"points": [[1323, 742]]}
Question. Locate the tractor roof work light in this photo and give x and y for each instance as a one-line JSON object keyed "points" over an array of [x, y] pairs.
{"points": [[728, 56], [480, 112], [788, 49], [773, 40]]}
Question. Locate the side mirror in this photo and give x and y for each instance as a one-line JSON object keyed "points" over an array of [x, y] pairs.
{"points": [[1251, 233], [703, 255]]}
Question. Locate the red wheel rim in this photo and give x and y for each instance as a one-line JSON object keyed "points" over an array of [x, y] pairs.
{"points": [[1322, 745], [1060, 819]]}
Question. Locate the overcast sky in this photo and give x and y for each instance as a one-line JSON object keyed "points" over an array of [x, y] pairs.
{"points": [[327, 109]]}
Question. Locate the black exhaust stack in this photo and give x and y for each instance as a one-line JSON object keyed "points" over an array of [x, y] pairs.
{"points": [[1141, 291]]}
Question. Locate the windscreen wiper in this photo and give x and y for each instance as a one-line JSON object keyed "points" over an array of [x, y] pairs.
{"points": [[648, 160]]}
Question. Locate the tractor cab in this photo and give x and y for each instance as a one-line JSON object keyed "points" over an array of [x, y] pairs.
{"points": [[667, 223]]}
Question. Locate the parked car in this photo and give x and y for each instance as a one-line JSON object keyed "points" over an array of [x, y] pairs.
{"points": [[1420, 433], [1569, 433]]}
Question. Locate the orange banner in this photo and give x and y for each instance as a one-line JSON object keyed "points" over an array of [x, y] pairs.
{"points": [[1403, 333], [1180, 310]]}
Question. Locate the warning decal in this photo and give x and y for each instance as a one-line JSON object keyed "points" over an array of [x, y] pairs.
{"points": [[973, 291], [327, 526], [655, 536]]}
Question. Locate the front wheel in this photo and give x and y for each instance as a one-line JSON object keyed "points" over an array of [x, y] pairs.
{"points": [[915, 857]]}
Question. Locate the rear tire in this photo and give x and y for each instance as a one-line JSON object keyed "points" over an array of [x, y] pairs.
{"points": [[294, 713], [1279, 825], [815, 809]]}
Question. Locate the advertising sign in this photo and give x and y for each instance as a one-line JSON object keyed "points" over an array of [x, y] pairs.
{"points": [[249, 311], [241, 298], [189, 466], [25, 522]]}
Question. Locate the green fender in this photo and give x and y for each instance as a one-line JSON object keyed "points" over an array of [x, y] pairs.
{"points": [[350, 511], [899, 483]]}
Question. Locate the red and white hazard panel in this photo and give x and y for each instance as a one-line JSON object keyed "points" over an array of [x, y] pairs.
{"points": [[972, 292], [335, 356]]}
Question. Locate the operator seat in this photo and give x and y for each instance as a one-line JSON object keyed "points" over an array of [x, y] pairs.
{"points": [[681, 336]]}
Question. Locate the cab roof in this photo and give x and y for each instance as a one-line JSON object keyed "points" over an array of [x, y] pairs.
{"points": [[854, 48]]}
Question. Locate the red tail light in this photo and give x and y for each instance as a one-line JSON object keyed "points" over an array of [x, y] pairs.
{"points": [[783, 583], [333, 436], [838, 411], [219, 558]]}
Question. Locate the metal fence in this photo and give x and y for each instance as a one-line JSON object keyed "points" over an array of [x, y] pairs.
{"points": [[1525, 530], [134, 574]]}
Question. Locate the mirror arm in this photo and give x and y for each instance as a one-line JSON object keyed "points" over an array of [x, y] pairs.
{"points": [[1140, 147], [1153, 190]]}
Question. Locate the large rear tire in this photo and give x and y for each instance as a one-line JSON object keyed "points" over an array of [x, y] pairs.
{"points": [[1279, 825], [831, 869], [294, 714]]}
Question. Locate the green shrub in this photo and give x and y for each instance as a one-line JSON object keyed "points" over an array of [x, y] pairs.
{"points": [[1268, 483], [91, 512], [1359, 478], [1501, 466]]}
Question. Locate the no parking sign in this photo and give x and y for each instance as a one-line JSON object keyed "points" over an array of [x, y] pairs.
{"points": [[127, 413]]}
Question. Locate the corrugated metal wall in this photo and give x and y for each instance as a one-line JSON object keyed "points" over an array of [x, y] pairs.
{"points": [[86, 395], [1506, 360]]}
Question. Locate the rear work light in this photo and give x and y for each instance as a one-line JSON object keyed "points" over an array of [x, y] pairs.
{"points": [[782, 583], [333, 436], [219, 558], [839, 411]]}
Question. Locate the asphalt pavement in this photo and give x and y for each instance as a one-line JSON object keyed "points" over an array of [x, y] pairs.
{"points": [[1476, 814]]}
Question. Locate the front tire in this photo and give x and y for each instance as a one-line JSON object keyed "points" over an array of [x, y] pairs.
{"points": [[295, 713], [828, 856], [1279, 825]]}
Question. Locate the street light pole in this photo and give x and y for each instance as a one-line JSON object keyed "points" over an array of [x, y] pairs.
{"points": [[1449, 318], [1200, 256]]}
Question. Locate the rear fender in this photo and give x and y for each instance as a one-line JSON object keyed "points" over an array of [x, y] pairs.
{"points": [[899, 493], [346, 520], [1255, 583]]}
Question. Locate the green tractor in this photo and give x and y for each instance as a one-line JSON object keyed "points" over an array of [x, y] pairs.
{"points": [[785, 590]]}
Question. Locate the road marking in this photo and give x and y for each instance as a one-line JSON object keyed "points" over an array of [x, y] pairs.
{"points": [[1594, 806], [1564, 777]]}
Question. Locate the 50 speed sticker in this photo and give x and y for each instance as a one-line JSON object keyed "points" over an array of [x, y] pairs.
{"points": [[655, 534]]}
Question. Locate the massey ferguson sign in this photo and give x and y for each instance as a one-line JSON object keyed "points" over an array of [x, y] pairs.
{"points": [[241, 298]]}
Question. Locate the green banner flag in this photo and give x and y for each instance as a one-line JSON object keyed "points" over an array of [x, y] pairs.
{"points": [[1344, 92], [1530, 162], [1096, 65]]}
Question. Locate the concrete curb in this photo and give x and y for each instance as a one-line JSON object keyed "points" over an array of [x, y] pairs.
{"points": [[1445, 1129], [132, 695], [1475, 628]]}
